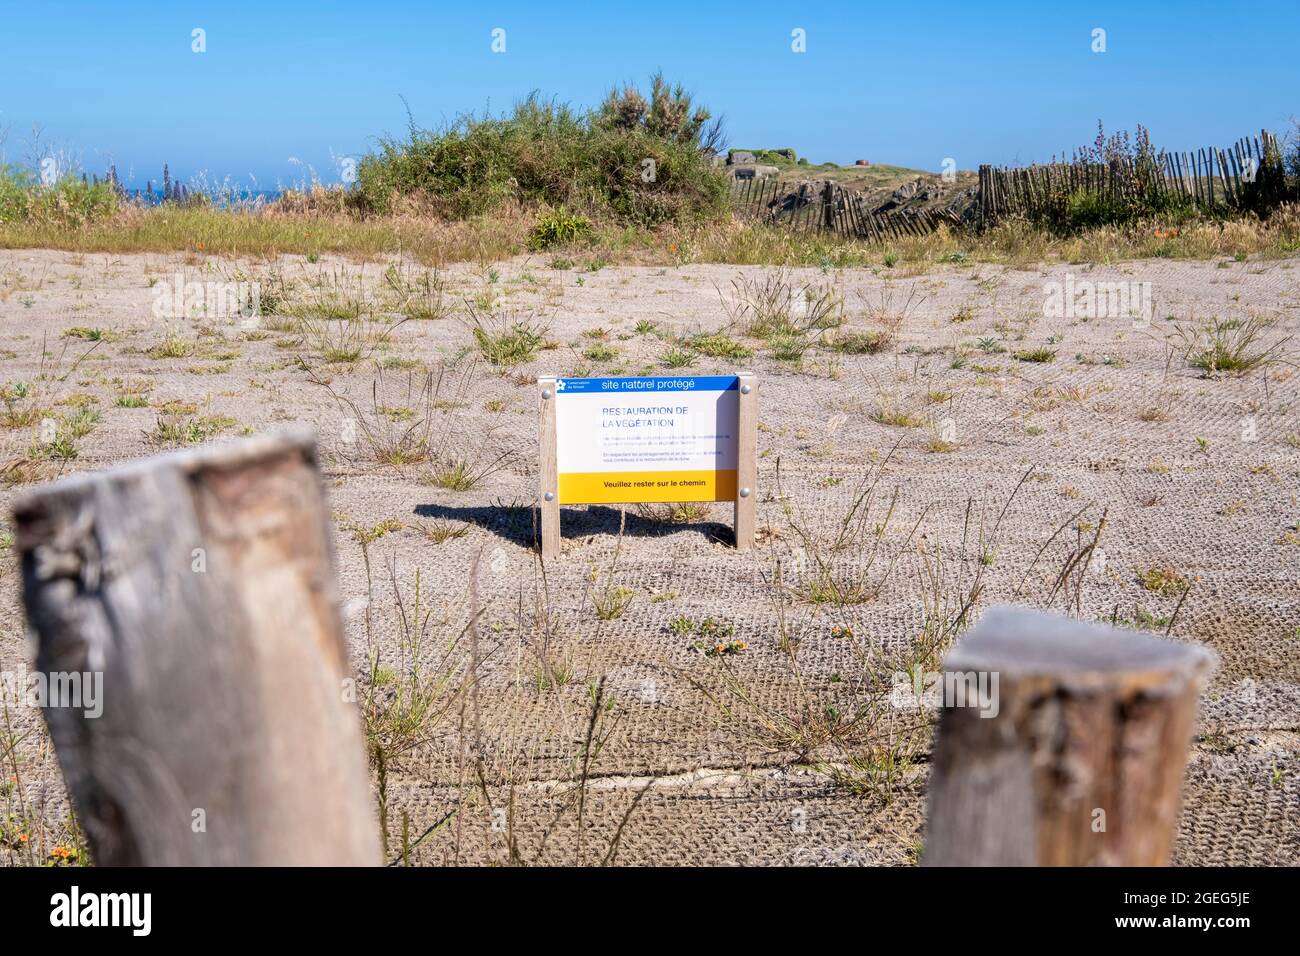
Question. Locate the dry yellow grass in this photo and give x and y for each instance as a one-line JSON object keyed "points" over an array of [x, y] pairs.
{"points": [[310, 229]]}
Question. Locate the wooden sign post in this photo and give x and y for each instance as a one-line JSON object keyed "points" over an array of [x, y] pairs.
{"points": [[657, 439]]}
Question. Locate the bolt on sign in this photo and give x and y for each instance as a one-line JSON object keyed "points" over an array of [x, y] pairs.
{"points": [[631, 440]]}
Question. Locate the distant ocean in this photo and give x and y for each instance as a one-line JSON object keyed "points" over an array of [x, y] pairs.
{"points": [[234, 197]]}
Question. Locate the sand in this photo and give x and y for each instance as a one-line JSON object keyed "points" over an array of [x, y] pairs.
{"points": [[1198, 478]]}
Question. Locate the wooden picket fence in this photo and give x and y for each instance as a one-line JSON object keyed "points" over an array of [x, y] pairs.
{"points": [[1248, 175], [827, 207]]}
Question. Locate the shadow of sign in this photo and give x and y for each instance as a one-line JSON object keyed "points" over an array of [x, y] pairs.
{"points": [[520, 524]]}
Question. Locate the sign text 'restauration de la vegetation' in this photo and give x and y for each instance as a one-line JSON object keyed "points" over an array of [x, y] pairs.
{"points": [[625, 440]]}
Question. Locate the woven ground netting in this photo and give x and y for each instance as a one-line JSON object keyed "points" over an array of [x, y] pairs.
{"points": [[706, 759]]}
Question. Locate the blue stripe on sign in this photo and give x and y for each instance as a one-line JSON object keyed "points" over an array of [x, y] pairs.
{"points": [[661, 385]]}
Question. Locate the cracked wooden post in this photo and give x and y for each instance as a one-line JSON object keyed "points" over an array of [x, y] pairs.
{"points": [[1079, 757], [746, 460], [548, 491], [199, 585]]}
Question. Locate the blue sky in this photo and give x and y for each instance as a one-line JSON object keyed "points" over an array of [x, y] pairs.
{"points": [[912, 85]]}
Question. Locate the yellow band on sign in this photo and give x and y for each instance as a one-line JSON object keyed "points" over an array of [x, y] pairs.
{"points": [[630, 487]]}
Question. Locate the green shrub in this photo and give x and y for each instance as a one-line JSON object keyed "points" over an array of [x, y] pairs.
{"points": [[68, 201], [636, 161]]}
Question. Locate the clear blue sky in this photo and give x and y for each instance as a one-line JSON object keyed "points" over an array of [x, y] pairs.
{"points": [[893, 82]]}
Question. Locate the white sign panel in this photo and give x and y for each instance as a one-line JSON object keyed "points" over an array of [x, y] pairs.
{"points": [[622, 440]]}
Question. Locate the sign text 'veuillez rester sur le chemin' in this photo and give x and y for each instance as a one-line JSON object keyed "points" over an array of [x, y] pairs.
{"points": [[626, 440]]}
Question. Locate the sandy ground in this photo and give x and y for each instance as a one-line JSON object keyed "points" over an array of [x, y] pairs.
{"points": [[1196, 475]]}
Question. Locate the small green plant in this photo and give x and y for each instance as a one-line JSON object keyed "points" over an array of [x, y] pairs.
{"points": [[937, 444], [173, 345], [81, 423], [558, 227], [1163, 579], [18, 410], [678, 358], [719, 345], [788, 346], [611, 601], [1039, 355], [721, 648], [558, 671], [716, 638], [364, 535], [396, 413], [454, 475], [440, 530], [1144, 620]]}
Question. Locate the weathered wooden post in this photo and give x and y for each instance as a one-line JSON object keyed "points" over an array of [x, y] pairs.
{"points": [[1078, 761], [548, 472], [199, 585], [828, 206]]}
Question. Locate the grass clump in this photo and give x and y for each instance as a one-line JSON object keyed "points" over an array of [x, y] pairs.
{"points": [[789, 347], [173, 431], [420, 297], [173, 345], [19, 409], [1232, 346], [719, 345], [87, 334], [454, 475], [1038, 355], [772, 306], [558, 227], [870, 342], [506, 342], [890, 411]]}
